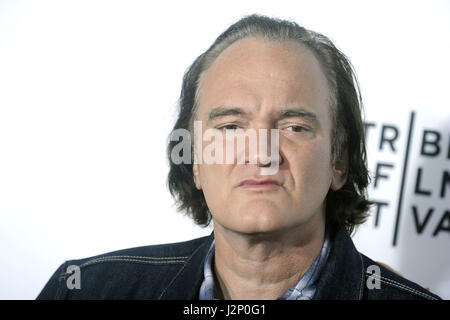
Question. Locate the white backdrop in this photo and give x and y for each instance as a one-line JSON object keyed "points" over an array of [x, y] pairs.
{"points": [[88, 91]]}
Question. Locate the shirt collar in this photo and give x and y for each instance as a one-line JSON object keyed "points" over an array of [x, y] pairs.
{"points": [[304, 289]]}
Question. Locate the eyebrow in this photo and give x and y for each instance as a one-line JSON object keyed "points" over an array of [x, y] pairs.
{"points": [[299, 113], [283, 114], [223, 112]]}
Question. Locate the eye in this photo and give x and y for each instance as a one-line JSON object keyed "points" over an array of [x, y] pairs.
{"points": [[296, 128], [229, 126]]}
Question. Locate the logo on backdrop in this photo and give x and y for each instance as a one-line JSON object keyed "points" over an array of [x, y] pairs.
{"points": [[434, 143]]}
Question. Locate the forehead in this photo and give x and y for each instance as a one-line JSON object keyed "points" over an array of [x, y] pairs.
{"points": [[255, 73]]}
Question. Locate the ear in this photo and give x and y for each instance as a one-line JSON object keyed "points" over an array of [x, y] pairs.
{"points": [[195, 171], [340, 172]]}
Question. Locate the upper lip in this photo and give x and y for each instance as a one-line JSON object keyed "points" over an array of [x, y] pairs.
{"points": [[253, 181]]}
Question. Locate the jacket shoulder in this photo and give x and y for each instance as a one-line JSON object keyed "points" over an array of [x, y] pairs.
{"points": [[177, 252], [134, 273], [384, 284]]}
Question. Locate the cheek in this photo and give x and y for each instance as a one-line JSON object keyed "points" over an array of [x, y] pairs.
{"points": [[319, 156], [311, 166], [215, 180]]}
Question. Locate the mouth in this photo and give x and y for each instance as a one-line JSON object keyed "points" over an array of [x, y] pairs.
{"points": [[265, 184]]}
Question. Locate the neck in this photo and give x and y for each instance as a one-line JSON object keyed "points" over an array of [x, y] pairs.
{"points": [[264, 265]]}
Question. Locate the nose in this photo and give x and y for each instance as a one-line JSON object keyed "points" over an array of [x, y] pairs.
{"points": [[266, 152]]}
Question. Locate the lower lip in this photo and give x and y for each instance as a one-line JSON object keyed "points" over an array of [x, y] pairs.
{"points": [[262, 186]]}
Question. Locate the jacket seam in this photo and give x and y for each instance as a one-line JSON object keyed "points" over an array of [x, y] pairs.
{"points": [[61, 279], [362, 277], [401, 286], [143, 257], [135, 259], [179, 272]]}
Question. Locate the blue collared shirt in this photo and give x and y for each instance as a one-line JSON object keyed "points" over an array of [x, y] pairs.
{"points": [[304, 289]]}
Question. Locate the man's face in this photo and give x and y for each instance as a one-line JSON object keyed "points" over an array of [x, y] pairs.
{"points": [[269, 84]]}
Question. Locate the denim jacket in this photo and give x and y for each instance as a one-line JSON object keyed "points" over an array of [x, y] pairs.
{"points": [[175, 271]]}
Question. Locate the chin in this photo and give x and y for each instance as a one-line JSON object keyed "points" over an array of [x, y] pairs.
{"points": [[260, 217]]}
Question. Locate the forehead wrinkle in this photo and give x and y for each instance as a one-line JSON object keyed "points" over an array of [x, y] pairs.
{"points": [[244, 80]]}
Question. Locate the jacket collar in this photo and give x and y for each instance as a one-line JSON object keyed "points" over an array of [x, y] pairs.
{"points": [[185, 285], [342, 277]]}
